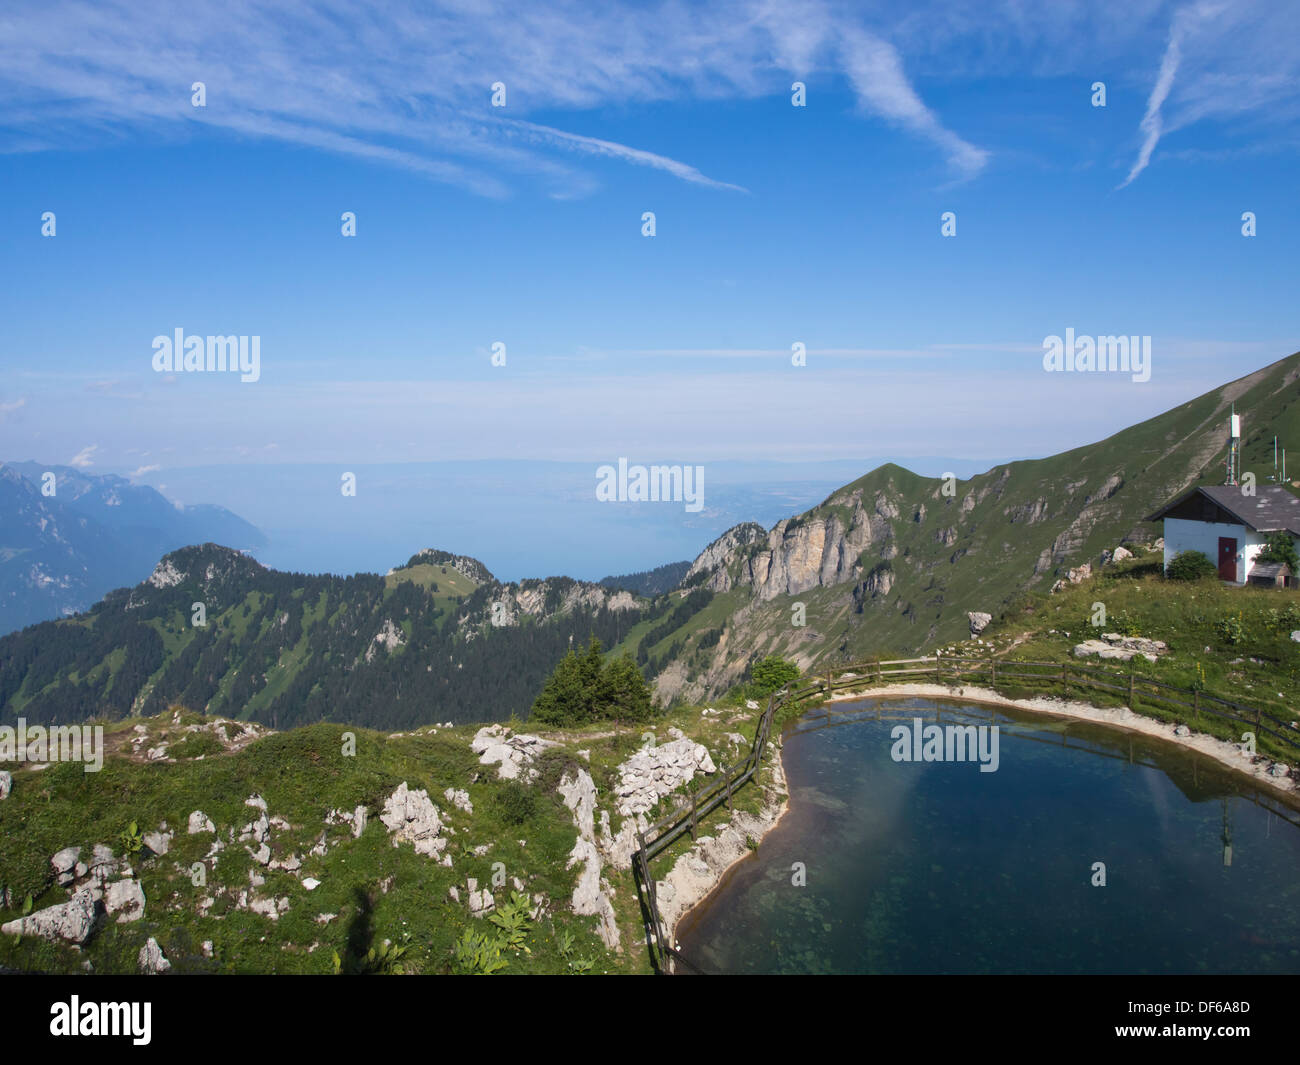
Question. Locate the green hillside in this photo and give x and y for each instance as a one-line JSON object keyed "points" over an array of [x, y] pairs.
{"points": [[415, 647], [892, 562], [322, 888]]}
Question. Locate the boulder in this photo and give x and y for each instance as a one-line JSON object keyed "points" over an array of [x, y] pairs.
{"points": [[151, 959], [410, 816], [71, 921], [510, 752], [6, 784], [158, 842], [65, 865], [1121, 648], [979, 621], [126, 899], [200, 822], [459, 798], [480, 901]]}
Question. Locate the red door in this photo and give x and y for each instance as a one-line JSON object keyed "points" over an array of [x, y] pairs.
{"points": [[1227, 559]]}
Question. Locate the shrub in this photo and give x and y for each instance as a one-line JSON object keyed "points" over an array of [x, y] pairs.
{"points": [[1231, 630], [516, 802], [771, 674], [1279, 547], [1190, 566]]}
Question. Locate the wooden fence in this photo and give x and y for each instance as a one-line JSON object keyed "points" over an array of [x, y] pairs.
{"points": [[721, 788]]}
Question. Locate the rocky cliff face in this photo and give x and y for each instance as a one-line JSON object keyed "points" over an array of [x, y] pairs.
{"points": [[715, 563], [799, 553]]}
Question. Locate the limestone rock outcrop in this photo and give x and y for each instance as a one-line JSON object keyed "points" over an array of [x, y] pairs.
{"points": [[510, 752], [1122, 648], [411, 817], [653, 772], [71, 921]]}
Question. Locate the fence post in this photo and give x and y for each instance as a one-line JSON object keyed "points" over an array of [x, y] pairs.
{"points": [[1132, 680], [1196, 705], [694, 802]]}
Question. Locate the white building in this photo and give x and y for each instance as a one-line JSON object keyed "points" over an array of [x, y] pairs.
{"points": [[1228, 526]]}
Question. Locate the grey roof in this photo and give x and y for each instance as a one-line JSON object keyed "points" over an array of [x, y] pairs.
{"points": [[1271, 508], [1270, 569]]}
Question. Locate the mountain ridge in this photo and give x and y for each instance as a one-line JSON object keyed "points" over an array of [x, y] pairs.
{"points": [[890, 563]]}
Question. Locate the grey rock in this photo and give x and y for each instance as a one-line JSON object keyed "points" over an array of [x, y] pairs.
{"points": [[158, 842], [411, 817], [65, 865], [510, 752], [151, 959], [459, 799], [126, 899], [200, 822], [71, 921], [653, 772]]}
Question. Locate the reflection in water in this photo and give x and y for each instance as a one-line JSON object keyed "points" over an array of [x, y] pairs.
{"points": [[935, 867]]}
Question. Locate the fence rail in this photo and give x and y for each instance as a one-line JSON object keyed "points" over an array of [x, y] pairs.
{"points": [[686, 817]]}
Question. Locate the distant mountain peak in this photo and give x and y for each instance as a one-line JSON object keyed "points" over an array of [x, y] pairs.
{"points": [[463, 564]]}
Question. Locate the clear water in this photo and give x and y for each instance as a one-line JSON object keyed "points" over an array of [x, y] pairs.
{"points": [[939, 868]]}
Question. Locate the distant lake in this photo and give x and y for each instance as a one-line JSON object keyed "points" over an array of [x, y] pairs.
{"points": [[936, 867]]}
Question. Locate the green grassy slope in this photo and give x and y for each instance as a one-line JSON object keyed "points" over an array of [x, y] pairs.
{"points": [[1016, 528]]}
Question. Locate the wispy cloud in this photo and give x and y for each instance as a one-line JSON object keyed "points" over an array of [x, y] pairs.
{"points": [[1236, 70], [595, 146], [15, 405], [875, 70], [409, 86], [82, 459]]}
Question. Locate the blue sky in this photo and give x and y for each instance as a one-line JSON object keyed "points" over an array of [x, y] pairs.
{"points": [[522, 225]]}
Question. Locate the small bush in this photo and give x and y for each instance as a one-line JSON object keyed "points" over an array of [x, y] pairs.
{"points": [[1190, 566], [515, 802], [771, 674], [1231, 630]]}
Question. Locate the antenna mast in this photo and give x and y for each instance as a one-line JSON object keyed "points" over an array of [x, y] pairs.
{"points": [[1234, 445]]}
